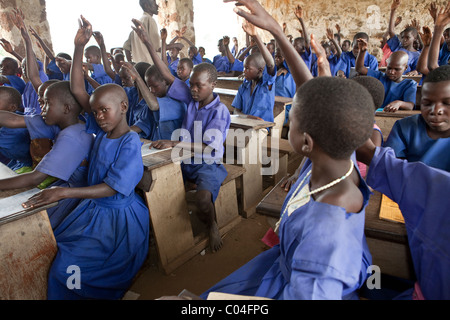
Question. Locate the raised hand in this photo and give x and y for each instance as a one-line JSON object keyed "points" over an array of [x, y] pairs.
{"points": [[298, 12], [395, 4], [140, 31], [99, 38], [323, 66], [433, 11], [163, 33], [249, 28], [84, 32], [6, 45], [443, 16], [426, 35], [362, 44]]}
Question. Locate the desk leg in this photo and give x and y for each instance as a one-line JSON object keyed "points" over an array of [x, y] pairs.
{"points": [[27, 250], [169, 217]]}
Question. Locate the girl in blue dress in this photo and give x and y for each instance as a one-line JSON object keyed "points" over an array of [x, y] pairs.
{"points": [[105, 239]]}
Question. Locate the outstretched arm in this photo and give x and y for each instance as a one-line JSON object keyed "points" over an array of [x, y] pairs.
{"points": [[299, 14], [260, 18], [8, 48], [11, 120], [442, 20], [422, 63], [106, 64], [394, 7], [359, 64], [142, 34], [251, 30], [77, 85], [330, 37]]}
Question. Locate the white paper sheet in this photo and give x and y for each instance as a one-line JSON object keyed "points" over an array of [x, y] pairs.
{"points": [[13, 204], [6, 172], [145, 150]]}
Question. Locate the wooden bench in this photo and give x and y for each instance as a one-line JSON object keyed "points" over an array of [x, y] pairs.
{"points": [[27, 249], [388, 242], [386, 120]]}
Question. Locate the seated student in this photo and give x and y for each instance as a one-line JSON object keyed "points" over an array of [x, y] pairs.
{"points": [[348, 63], [206, 116], [346, 45], [193, 52], [139, 117], [284, 83], [306, 264], [115, 60], [400, 93], [8, 77], [202, 52], [256, 95], [107, 234], [334, 53], [422, 195], [14, 143], [406, 44], [376, 90], [426, 137], [67, 159], [225, 63], [94, 64], [302, 44], [184, 70], [64, 64]]}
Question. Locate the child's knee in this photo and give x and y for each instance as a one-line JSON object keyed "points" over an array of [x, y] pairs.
{"points": [[204, 200]]}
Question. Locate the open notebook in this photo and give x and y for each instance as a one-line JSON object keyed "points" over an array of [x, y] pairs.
{"points": [[389, 210]]}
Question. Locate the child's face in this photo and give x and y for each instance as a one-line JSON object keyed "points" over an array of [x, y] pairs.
{"points": [[7, 68], [4, 103], [435, 106], [294, 135], [346, 46], [157, 87], [53, 109], [201, 87], [407, 39], [299, 45], [251, 71], [126, 78], [279, 59], [107, 110], [201, 51], [446, 35], [395, 69], [92, 58], [174, 53], [183, 71]]}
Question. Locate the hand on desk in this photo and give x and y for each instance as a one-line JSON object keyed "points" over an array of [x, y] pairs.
{"points": [[163, 144], [45, 197]]}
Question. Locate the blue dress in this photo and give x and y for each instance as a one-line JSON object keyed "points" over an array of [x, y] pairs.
{"points": [[422, 195], [106, 238], [409, 140], [322, 254]]}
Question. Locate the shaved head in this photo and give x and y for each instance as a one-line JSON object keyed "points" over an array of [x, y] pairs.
{"points": [[400, 57]]}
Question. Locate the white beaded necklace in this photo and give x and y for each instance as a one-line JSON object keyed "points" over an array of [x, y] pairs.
{"points": [[327, 186]]}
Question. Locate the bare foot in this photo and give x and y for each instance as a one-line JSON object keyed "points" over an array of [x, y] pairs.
{"points": [[215, 241]]}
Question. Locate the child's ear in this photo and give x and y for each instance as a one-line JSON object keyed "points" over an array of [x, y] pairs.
{"points": [[308, 144], [124, 106], [13, 108], [67, 108]]}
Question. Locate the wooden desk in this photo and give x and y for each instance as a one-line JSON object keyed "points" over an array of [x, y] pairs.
{"points": [[27, 250], [227, 96], [415, 78], [388, 241], [243, 147], [385, 120], [164, 192], [229, 82]]}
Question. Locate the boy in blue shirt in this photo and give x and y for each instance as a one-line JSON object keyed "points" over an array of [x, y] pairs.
{"points": [[256, 95], [9, 68], [348, 59], [303, 44], [207, 117], [400, 93], [225, 63]]}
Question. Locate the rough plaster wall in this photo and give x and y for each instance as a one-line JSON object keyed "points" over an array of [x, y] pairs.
{"points": [[174, 15], [370, 16], [35, 16]]}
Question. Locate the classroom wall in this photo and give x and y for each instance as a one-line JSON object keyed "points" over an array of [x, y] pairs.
{"points": [[370, 16], [36, 17]]}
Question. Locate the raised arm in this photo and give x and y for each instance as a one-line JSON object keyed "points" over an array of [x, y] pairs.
{"points": [[359, 64], [49, 53], [142, 34], [77, 85], [299, 14], [11, 120], [330, 37], [106, 64], [226, 45], [442, 20], [391, 29], [422, 63], [9, 48], [251, 30], [163, 34], [31, 61], [260, 18]]}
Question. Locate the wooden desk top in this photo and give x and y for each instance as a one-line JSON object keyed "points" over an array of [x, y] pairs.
{"points": [[240, 122], [375, 227], [397, 114]]}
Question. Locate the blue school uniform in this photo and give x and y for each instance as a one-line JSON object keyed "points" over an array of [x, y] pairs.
{"points": [[322, 254], [444, 55], [197, 59], [409, 140], [222, 63], [285, 87], [15, 147], [333, 61], [173, 65], [308, 58], [209, 125], [106, 238], [16, 82], [168, 118], [261, 101], [404, 90], [30, 98], [138, 113], [66, 160], [413, 56], [422, 195], [348, 61], [53, 71]]}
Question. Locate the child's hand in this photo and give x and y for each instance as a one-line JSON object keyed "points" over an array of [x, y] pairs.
{"points": [[395, 4], [6, 45], [18, 19], [393, 106], [162, 144], [284, 27], [140, 31], [163, 33], [330, 34], [323, 66], [249, 28], [131, 70], [288, 183], [257, 15], [45, 197], [341, 74], [426, 36], [443, 16], [99, 38], [338, 28], [298, 12], [84, 32], [362, 44], [398, 20], [433, 10], [226, 41]]}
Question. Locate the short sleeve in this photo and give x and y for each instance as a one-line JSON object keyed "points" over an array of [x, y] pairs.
{"points": [[178, 90], [91, 124], [396, 140], [394, 43], [125, 173], [38, 129], [410, 92]]}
